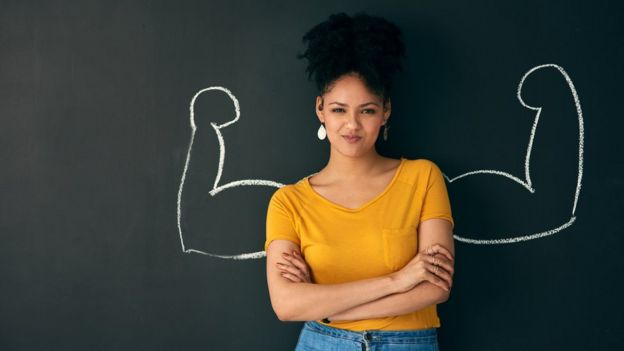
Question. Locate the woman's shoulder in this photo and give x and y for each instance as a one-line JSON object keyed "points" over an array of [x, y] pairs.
{"points": [[422, 170], [421, 163], [289, 193]]}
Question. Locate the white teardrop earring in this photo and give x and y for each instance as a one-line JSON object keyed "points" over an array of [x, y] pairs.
{"points": [[321, 133]]}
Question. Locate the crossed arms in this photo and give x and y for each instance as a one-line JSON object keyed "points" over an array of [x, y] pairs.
{"points": [[362, 299]]}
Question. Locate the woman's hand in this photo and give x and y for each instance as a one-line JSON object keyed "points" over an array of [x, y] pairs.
{"points": [[297, 270], [433, 264]]}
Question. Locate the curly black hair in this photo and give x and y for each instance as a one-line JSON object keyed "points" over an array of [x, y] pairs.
{"points": [[369, 46]]}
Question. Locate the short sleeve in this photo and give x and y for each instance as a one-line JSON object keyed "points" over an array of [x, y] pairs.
{"points": [[436, 203], [279, 221]]}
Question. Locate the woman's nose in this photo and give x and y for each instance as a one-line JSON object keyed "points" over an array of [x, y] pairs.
{"points": [[353, 119]]}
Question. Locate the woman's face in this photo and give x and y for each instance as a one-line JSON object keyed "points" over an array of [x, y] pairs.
{"points": [[350, 109]]}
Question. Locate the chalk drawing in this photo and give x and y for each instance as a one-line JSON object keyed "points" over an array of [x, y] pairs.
{"points": [[216, 188], [526, 182]]}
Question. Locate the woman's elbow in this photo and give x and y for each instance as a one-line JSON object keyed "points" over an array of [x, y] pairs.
{"points": [[436, 294], [290, 313], [443, 295], [281, 312], [282, 317], [283, 304]]}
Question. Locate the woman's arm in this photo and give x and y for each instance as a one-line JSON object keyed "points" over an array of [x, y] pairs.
{"points": [[430, 232], [423, 295], [309, 301]]}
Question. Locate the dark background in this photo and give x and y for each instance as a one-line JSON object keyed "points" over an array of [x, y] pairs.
{"points": [[94, 109]]}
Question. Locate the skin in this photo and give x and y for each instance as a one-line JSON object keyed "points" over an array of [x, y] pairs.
{"points": [[354, 174], [352, 162], [297, 270]]}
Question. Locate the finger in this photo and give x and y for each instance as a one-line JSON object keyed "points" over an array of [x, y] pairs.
{"points": [[300, 263], [291, 277], [437, 248], [439, 260], [440, 273], [302, 269], [444, 274], [443, 283], [297, 255], [434, 279], [289, 257], [292, 270], [445, 252], [297, 259]]}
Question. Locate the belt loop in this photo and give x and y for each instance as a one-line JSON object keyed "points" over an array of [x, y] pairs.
{"points": [[367, 337]]}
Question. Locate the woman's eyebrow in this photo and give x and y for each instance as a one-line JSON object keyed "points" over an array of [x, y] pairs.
{"points": [[343, 104]]}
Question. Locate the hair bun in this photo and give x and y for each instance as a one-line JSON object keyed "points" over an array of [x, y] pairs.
{"points": [[369, 45]]}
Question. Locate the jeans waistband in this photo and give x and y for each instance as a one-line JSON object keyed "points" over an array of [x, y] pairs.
{"points": [[373, 334]]}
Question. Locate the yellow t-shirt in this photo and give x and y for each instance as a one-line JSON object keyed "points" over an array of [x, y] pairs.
{"points": [[342, 244]]}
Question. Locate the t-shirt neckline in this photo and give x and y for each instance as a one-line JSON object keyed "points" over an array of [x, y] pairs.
{"points": [[306, 182]]}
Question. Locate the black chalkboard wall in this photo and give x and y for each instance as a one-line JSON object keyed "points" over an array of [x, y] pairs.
{"points": [[518, 103]]}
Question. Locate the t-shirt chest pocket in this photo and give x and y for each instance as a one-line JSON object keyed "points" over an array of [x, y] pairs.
{"points": [[399, 246]]}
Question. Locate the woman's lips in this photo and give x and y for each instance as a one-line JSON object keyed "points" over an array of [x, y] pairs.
{"points": [[352, 139]]}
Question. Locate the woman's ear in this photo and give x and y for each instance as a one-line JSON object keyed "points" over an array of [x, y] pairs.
{"points": [[387, 108], [319, 108]]}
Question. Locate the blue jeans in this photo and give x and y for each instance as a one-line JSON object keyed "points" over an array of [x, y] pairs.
{"points": [[315, 336]]}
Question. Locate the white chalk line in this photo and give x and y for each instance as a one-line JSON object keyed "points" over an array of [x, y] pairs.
{"points": [[526, 183], [516, 238], [216, 189]]}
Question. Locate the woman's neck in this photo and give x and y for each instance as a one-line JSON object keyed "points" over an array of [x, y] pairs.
{"points": [[353, 168]]}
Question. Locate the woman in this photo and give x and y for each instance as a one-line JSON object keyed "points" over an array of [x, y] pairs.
{"points": [[362, 250]]}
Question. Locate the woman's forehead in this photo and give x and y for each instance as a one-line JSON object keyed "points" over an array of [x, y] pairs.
{"points": [[351, 91]]}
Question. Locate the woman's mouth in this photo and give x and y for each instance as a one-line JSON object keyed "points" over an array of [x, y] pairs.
{"points": [[352, 139]]}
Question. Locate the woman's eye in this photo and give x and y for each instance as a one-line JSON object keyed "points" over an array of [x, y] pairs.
{"points": [[368, 110]]}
